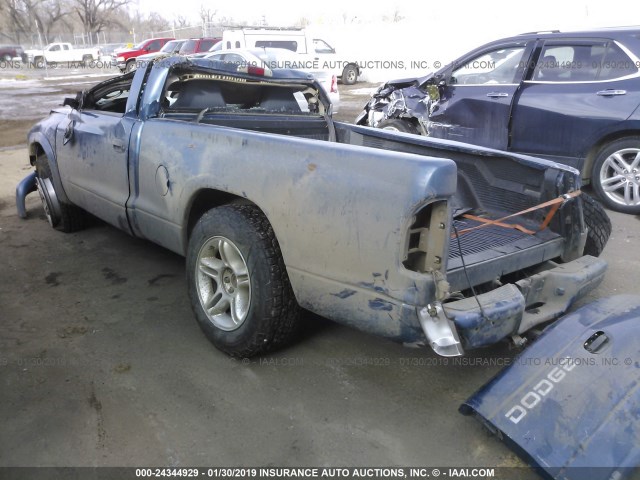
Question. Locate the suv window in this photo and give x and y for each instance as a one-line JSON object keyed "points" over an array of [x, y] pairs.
{"points": [[588, 62], [498, 66], [155, 45], [189, 47], [615, 64], [205, 45]]}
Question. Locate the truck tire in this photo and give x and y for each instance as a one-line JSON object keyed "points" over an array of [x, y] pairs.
{"points": [[86, 60], [598, 223], [616, 175], [350, 74], [397, 125], [131, 65], [6, 57], [61, 216], [238, 284], [38, 62]]}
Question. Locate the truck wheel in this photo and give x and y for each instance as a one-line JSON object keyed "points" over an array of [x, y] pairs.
{"points": [[238, 284], [131, 65], [397, 125], [61, 216], [38, 62], [350, 74], [598, 223], [616, 175], [86, 60], [6, 57]]}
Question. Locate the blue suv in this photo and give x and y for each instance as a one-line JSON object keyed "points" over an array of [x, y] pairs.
{"points": [[571, 97]]}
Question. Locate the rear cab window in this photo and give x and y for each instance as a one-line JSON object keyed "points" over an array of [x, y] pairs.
{"points": [[189, 92]]}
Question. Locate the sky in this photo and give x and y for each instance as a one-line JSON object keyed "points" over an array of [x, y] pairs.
{"points": [[427, 31], [541, 14]]}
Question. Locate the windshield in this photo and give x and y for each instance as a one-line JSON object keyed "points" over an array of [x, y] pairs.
{"points": [[169, 47]]}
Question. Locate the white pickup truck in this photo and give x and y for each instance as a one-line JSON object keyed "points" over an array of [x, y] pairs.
{"points": [[61, 52], [322, 55]]}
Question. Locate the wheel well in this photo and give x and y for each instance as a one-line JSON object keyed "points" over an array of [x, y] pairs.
{"points": [[205, 200], [593, 152], [35, 150]]}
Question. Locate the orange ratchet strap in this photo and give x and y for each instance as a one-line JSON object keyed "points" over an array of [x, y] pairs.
{"points": [[554, 204]]}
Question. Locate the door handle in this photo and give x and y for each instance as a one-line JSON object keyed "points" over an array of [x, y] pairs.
{"points": [[119, 146], [497, 94], [611, 93]]}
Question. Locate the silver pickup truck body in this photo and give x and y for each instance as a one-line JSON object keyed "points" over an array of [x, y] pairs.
{"points": [[365, 219]]}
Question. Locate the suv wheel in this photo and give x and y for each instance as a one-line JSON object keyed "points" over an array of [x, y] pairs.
{"points": [[616, 175]]}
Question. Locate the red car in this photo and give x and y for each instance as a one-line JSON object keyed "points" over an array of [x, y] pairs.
{"points": [[198, 45], [126, 59]]}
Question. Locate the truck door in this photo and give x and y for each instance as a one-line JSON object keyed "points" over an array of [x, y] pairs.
{"points": [[476, 98], [92, 149]]}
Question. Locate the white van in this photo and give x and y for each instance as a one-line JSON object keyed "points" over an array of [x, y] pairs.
{"points": [[297, 40]]}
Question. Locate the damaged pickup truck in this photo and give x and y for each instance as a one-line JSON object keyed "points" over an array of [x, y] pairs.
{"points": [[277, 207]]}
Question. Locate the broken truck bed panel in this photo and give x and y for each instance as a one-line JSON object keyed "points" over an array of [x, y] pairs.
{"points": [[572, 399]]}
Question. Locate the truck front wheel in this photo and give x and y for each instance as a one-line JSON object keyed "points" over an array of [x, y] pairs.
{"points": [[86, 60], [238, 284], [350, 74], [131, 65], [61, 216]]}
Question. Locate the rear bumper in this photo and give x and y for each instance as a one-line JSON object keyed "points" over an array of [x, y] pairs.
{"points": [[511, 309]]}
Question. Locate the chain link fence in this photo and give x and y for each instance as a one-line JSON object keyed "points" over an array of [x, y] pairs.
{"points": [[37, 40]]}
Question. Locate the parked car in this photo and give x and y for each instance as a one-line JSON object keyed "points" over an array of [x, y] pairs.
{"points": [[126, 59], [10, 53], [570, 97], [61, 52], [271, 58], [198, 45], [170, 48], [108, 51], [276, 207]]}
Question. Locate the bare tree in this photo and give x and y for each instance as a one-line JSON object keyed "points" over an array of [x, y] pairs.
{"points": [[206, 14], [181, 21], [95, 15], [23, 15]]}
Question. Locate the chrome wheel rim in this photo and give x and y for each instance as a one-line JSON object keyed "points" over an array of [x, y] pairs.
{"points": [[223, 283], [620, 177]]}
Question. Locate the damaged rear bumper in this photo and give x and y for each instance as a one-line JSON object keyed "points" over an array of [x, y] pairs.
{"points": [[511, 309]]}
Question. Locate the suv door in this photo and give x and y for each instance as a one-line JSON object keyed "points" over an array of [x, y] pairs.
{"points": [[578, 91], [475, 100]]}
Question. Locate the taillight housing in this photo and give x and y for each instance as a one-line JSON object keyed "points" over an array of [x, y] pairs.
{"points": [[334, 84]]}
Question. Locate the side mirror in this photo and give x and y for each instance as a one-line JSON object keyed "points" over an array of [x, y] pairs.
{"points": [[70, 102], [75, 103]]}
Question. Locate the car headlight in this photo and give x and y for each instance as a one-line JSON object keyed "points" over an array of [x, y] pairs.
{"points": [[119, 59]]}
